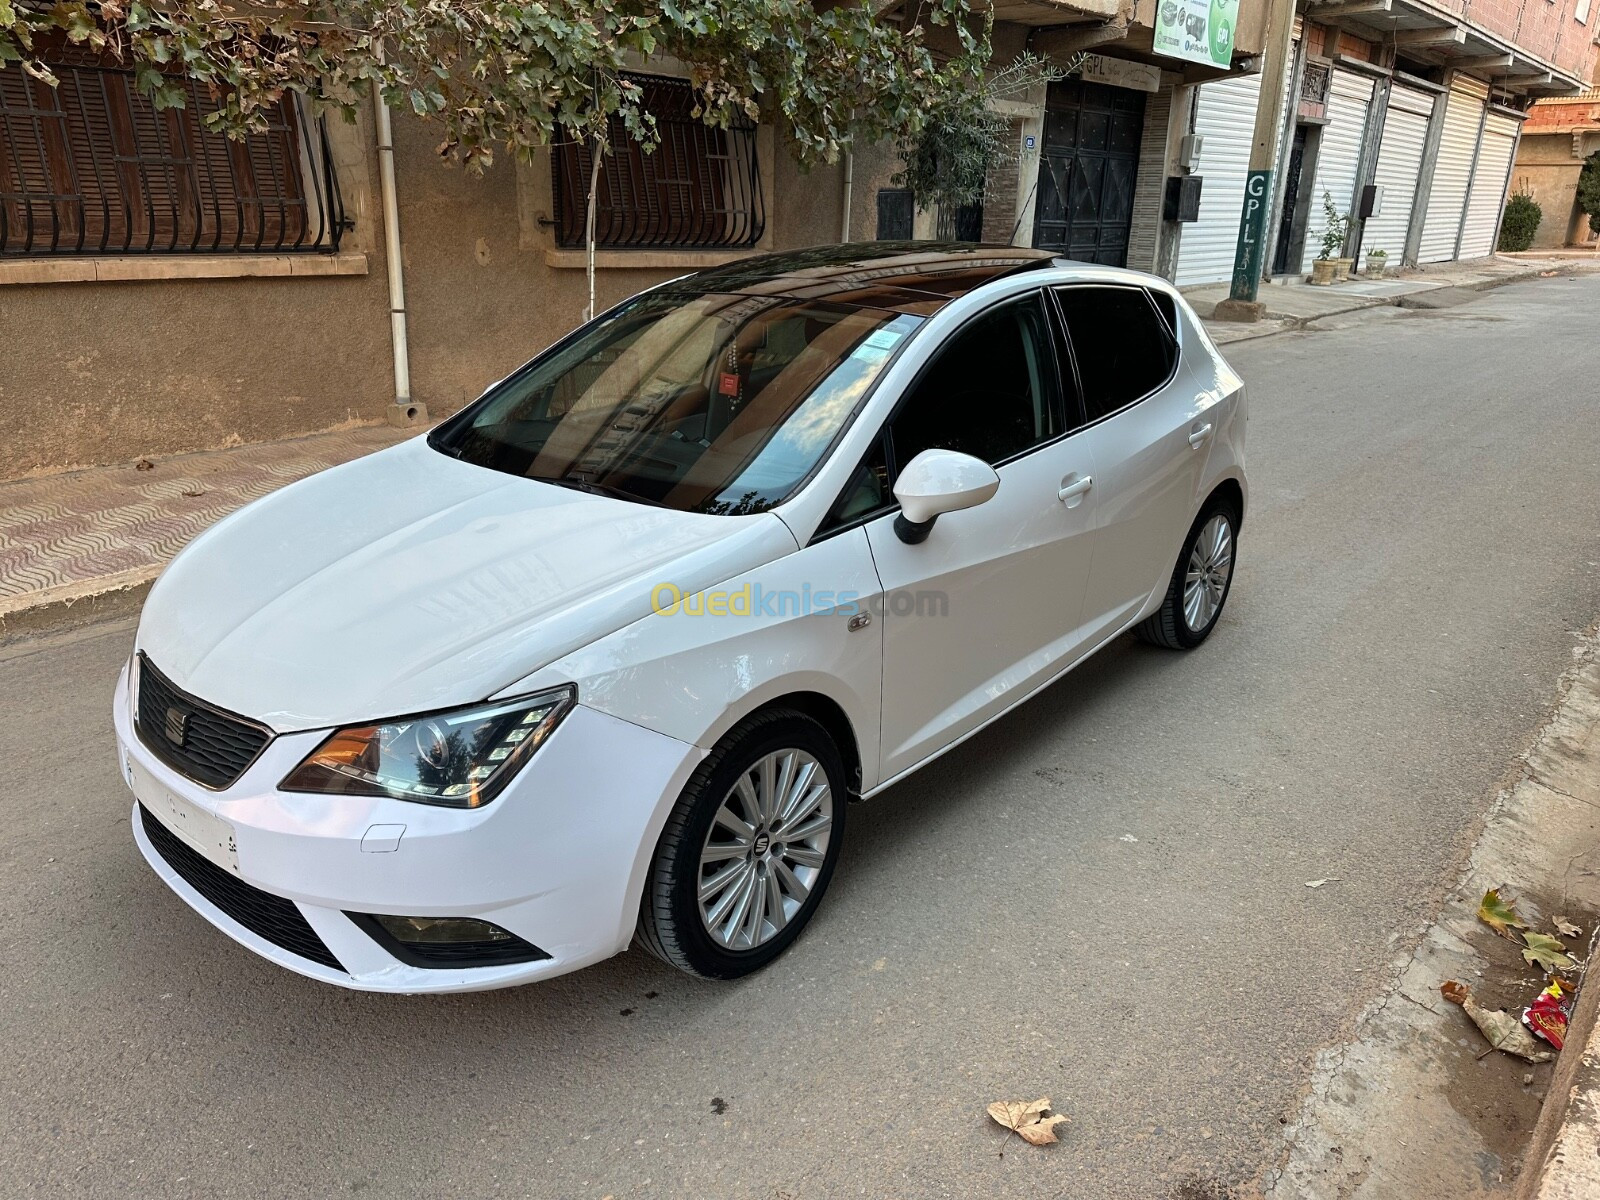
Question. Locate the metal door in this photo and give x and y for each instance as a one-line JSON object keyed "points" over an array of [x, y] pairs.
{"points": [[1291, 199], [1338, 154], [1489, 179], [1452, 170], [1087, 171], [1225, 114], [1405, 136]]}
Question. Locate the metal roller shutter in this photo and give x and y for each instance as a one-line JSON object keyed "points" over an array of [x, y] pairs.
{"points": [[1488, 185], [1339, 152], [1452, 170], [1405, 136], [1225, 114]]}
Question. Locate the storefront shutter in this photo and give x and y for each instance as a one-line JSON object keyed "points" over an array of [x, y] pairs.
{"points": [[1405, 135], [1338, 153], [1452, 170], [1225, 114], [1489, 185]]}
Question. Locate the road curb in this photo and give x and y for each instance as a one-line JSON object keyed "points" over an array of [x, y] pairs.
{"points": [[57, 609], [1563, 1161]]}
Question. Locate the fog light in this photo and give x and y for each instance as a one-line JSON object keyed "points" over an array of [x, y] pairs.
{"points": [[441, 931], [446, 941]]}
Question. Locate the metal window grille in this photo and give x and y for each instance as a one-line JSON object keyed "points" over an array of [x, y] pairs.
{"points": [[699, 187], [93, 167]]}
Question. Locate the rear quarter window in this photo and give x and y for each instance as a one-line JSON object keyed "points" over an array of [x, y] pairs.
{"points": [[1122, 344]]}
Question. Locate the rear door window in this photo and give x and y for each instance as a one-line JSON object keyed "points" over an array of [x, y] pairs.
{"points": [[1121, 344]]}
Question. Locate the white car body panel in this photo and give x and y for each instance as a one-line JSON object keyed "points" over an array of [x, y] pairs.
{"points": [[408, 582], [555, 859]]}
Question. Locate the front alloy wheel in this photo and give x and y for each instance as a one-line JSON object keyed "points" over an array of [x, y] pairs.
{"points": [[748, 850], [765, 849]]}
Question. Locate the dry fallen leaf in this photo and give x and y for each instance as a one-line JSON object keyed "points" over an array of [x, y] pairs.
{"points": [[1566, 928], [1028, 1121], [1502, 1029], [1498, 913], [1546, 952]]}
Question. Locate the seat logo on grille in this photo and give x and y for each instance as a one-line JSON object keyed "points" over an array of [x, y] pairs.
{"points": [[177, 725]]}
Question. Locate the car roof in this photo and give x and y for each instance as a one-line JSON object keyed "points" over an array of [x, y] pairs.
{"points": [[914, 277]]}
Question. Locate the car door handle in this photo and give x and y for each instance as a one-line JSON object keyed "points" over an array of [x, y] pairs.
{"points": [[1071, 493], [1197, 437]]}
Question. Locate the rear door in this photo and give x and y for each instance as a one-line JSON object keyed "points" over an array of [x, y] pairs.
{"points": [[1149, 432]]}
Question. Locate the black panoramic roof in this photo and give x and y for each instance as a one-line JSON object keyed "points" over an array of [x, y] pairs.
{"points": [[916, 277]]}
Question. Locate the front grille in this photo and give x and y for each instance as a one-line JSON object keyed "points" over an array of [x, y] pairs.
{"points": [[199, 740], [263, 914]]}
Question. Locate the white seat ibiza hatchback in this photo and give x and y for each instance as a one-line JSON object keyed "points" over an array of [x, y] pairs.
{"points": [[605, 657]]}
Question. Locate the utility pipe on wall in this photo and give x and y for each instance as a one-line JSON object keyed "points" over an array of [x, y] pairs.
{"points": [[396, 271], [849, 182]]}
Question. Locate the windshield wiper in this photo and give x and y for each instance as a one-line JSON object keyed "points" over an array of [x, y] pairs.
{"points": [[579, 484]]}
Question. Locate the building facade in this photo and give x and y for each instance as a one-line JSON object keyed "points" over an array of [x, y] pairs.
{"points": [[164, 290], [1560, 135], [1404, 115]]}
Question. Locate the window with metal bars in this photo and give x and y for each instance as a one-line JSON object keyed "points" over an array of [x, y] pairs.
{"points": [[91, 166], [700, 187]]}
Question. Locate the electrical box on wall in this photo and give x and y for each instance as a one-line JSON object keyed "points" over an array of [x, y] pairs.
{"points": [[1371, 201], [1182, 200], [1189, 150]]}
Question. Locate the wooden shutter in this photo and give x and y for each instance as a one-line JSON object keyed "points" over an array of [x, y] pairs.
{"points": [[92, 167]]}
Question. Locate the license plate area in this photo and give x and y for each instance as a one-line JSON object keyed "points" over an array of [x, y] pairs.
{"points": [[203, 832]]}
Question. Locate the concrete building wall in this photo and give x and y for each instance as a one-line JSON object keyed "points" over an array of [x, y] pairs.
{"points": [[1547, 170], [96, 373]]}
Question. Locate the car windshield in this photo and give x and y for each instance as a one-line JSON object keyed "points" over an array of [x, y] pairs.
{"points": [[715, 404]]}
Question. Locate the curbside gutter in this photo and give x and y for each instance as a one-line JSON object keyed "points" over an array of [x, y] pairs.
{"points": [[1563, 1161]]}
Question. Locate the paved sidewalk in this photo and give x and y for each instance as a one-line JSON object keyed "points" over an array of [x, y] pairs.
{"points": [[75, 536], [1293, 304]]}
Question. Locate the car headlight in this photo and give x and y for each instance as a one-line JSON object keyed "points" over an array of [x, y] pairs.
{"points": [[461, 758]]}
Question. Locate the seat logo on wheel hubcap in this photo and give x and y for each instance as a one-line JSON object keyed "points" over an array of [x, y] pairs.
{"points": [[763, 840]]}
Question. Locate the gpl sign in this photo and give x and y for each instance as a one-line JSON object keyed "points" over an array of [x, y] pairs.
{"points": [[1252, 236]]}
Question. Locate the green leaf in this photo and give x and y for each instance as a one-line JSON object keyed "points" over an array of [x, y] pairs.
{"points": [[1547, 953], [1499, 913]]}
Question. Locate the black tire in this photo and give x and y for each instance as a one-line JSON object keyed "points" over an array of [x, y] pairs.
{"points": [[670, 922], [1167, 626]]}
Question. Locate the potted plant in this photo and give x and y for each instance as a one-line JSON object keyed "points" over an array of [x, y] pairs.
{"points": [[1327, 268], [1377, 262]]}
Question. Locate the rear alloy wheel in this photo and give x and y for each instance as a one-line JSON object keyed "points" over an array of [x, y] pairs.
{"points": [[1200, 582], [748, 850]]}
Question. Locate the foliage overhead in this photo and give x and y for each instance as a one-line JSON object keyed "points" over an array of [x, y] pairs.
{"points": [[950, 154], [524, 75]]}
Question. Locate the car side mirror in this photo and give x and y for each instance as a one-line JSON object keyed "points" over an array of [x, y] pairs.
{"points": [[939, 481]]}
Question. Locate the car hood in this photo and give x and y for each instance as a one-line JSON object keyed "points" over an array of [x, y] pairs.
{"points": [[409, 581]]}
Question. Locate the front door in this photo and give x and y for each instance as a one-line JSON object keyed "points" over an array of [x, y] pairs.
{"points": [[1087, 171], [988, 606]]}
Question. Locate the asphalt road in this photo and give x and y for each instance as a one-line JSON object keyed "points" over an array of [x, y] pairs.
{"points": [[1102, 899]]}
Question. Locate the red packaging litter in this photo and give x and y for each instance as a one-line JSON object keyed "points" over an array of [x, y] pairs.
{"points": [[1548, 1015]]}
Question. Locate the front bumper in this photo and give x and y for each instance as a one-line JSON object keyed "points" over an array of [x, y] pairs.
{"points": [[558, 858]]}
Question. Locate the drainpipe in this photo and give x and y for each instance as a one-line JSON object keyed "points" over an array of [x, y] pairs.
{"points": [[849, 183], [404, 411]]}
